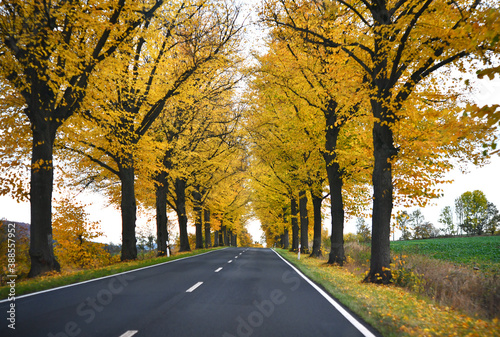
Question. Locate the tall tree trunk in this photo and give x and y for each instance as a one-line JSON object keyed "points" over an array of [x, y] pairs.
{"points": [[216, 238], [161, 213], [42, 178], [221, 237], [295, 225], [226, 236], [129, 209], [337, 254], [304, 223], [286, 240], [316, 200], [208, 239], [180, 203], [383, 151], [234, 239], [198, 221]]}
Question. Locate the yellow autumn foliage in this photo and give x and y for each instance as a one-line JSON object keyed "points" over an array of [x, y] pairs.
{"points": [[73, 233]]}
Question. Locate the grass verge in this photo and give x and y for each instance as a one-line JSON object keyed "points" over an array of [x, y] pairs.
{"points": [[391, 310], [55, 280]]}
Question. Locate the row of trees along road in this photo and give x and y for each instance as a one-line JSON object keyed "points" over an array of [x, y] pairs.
{"points": [[134, 97], [367, 86], [137, 99]]}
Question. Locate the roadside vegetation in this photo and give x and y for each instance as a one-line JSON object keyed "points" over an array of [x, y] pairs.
{"points": [[457, 272], [405, 307]]}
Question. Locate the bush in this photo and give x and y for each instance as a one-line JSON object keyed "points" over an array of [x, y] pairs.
{"points": [[73, 235], [403, 275]]}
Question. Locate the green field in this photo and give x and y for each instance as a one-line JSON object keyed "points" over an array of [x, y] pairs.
{"points": [[475, 251]]}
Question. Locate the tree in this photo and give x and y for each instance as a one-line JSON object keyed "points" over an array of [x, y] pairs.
{"points": [[493, 222], [244, 238], [403, 223], [203, 151], [426, 230], [49, 52], [398, 52], [472, 212], [298, 86], [145, 239], [362, 230], [304, 223], [317, 199], [73, 236], [278, 167], [446, 219], [417, 220], [196, 38]]}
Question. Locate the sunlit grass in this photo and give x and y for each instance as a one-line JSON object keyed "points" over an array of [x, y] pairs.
{"points": [[54, 280], [391, 310]]}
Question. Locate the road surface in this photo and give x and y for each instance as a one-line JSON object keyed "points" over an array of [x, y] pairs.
{"points": [[230, 292]]}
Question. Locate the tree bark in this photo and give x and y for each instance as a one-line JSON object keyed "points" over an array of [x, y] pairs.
{"points": [[208, 239], [216, 238], [383, 151], [337, 254], [198, 222], [42, 177], [128, 209], [161, 213], [234, 240], [226, 232], [180, 201], [316, 200], [304, 223], [295, 225], [285, 240], [221, 237]]}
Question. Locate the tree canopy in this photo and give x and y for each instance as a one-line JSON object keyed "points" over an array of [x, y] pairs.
{"points": [[352, 108]]}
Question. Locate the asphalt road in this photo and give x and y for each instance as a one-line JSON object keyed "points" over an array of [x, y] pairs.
{"points": [[231, 292]]}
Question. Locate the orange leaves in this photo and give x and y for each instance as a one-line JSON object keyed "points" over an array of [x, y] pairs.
{"points": [[397, 311], [430, 135], [73, 234]]}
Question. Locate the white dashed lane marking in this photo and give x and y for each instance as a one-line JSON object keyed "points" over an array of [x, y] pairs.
{"points": [[190, 290], [218, 269]]}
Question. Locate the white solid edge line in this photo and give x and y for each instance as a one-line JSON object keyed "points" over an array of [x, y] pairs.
{"points": [[190, 290], [129, 333], [109, 276], [218, 269], [337, 306]]}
